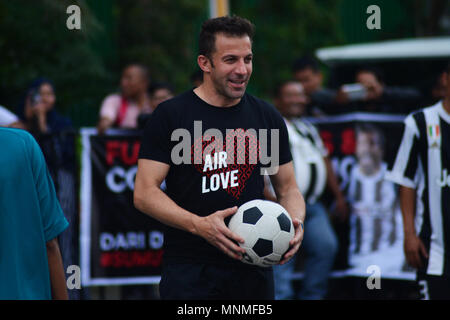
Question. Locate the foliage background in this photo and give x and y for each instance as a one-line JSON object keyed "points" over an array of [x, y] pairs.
{"points": [[85, 64]]}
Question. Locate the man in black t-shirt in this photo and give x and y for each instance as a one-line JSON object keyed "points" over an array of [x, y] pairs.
{"points": [[212, 146]]}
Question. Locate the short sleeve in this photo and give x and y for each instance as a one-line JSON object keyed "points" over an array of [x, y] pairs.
{"points": [[155, 141], [53, 219], [110, 107], [405, 166]]}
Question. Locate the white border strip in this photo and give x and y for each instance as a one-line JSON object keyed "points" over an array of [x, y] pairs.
{"points": [[85, 195], [411, 276], [124, 281], [358, 116]]}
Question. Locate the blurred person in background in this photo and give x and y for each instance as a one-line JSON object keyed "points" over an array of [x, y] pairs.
{"points": [[313, 171], [50, 128], [159, 92], [321, 101], [56, 137], [381, 98], [422, 168], [38, 111], [121, 110]]}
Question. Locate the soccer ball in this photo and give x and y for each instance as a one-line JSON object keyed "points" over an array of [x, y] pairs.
{"points": [[266, 228]]}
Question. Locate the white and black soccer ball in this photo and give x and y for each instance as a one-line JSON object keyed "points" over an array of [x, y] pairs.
{"points": [[266, 228]]}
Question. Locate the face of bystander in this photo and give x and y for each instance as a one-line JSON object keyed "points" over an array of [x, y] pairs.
{"points": [[369, 152], [371, 83], [160, 95], [133, 82], [310, 79], [291, 100], [47, 96]]}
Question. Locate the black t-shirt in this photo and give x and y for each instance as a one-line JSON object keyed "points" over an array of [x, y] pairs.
{"points": [[208, 180]]}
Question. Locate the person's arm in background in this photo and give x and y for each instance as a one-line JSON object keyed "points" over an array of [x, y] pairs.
{"points": [[413, 246], [290, 197], [104, 124], [108, 112], [332, 182], [56, 269]]}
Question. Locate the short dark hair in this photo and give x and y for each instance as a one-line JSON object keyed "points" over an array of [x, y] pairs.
{"points": [[305, 62], [371, 128], [377, 72], [160, 85], [280, 85], [229, 25]]}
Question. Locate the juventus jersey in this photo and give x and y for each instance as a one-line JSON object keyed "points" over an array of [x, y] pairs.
{"points": [[308, 151], [423, 163], [373, 223]]}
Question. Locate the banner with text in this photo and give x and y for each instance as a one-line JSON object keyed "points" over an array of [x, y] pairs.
{"points": [[119, 244]]}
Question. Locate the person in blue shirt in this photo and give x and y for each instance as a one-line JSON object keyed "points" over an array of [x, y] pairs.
{"points": [[31, 218]]}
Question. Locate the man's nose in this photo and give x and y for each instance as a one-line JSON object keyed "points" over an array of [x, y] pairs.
{"points": [[241, 68]]}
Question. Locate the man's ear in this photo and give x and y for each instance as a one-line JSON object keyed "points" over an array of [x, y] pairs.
{"points": [[204, 63]]}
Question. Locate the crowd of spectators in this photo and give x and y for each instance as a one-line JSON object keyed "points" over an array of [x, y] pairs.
{"points": [[138, 96]]}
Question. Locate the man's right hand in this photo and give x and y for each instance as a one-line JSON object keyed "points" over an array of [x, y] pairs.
{"points": [[213, 229], [414, 250]]}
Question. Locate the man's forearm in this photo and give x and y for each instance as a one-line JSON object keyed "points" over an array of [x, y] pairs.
{"points": [[56, 269], [160, 207], [408, 206], [292, 200]]}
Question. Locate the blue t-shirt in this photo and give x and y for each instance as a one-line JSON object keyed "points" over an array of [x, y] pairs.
{"points": [[30, 216]]}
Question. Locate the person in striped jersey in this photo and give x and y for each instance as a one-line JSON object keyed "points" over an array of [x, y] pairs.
{"points": [[375, 219], [422, 169], [313, 171]]}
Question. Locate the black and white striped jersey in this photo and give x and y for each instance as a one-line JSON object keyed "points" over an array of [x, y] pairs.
{"points": [[308, 152], [373, 222], [423, 163]]}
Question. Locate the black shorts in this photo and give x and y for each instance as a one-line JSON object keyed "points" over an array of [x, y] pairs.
{"points": [[433, 287], [196, 281]]}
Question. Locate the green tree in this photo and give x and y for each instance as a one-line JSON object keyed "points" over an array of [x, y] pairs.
{"points": [[35, 42], [285, 30], [161, 34]]}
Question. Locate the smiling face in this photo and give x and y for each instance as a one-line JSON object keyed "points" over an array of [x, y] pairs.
{"points": [[228, 70]]}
